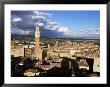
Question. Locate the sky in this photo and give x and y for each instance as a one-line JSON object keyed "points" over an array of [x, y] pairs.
{"points": [[85, 24]]}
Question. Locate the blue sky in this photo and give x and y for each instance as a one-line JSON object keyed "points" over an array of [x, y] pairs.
{"points": [[60, 23], [77, 20]]}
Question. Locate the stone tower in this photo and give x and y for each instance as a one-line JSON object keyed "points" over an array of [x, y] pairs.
{"points": [[38, 53]]}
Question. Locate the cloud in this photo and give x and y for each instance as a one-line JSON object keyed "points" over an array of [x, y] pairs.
{"points": [[63, 29], [55, 27], [52, 25], [38, 17], [90, 31], [21, 32], [40, 24], [87, 33], [29, 18], [42, 14], [16, 19], [24, 22]]}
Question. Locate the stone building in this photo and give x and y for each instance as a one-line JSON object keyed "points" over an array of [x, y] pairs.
{"points": [[17, 51]]}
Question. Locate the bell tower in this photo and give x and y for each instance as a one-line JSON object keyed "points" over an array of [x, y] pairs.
{"points": [[38, 53]]}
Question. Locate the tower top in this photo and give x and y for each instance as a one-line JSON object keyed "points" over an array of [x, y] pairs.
{"points": [[37, 31], [37, 26]]}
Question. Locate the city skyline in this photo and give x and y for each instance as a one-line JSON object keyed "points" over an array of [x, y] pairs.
{"points": [[57, 23]]}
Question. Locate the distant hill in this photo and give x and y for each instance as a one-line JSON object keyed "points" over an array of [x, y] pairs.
{"points": [[31, 37]]}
